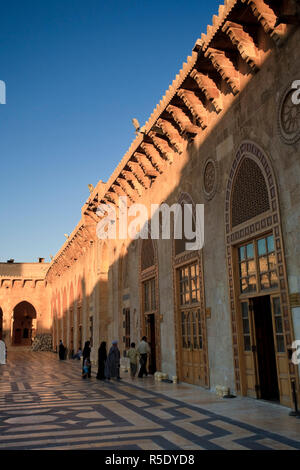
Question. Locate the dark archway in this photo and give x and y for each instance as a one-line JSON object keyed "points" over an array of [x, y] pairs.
{"points": [[24, 324]]}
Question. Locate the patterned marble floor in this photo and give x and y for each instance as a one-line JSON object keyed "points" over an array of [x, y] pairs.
{"points": [[44, 404]]}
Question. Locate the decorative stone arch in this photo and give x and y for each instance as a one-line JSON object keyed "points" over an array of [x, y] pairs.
{"points": [[239, 231], [180, 258], [149, 269], [24, 323]]}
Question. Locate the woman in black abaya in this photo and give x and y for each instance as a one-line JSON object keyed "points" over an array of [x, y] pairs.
{"points": [[102, 356], [86, 354]]}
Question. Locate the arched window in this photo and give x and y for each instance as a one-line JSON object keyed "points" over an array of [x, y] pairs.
{"points": [[250, 196], [24, 315]]}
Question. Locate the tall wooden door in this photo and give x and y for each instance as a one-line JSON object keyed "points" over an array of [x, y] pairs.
{"points": [[193, 360], [280, 351], [248, 346], [265, 359]]}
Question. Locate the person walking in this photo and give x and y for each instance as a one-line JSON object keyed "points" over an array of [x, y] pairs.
{"points": [[61, 351], [143, 350], [102, 357], [112, 365], [86, 354], [133, 355], [86, 368]]}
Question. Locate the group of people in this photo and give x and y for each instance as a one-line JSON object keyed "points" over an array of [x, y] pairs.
{"points": [[109, 364]]}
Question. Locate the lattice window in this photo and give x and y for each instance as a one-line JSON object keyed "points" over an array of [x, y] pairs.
{"points": [[148, 258], [250, 194]]}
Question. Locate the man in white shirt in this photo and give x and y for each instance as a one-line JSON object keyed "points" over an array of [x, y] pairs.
{"points": [[144, 350]]}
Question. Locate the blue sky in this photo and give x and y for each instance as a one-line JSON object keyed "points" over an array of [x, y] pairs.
{"points": [[76, 73]]}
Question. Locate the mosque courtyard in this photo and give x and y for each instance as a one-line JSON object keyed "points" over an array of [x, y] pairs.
{"points": [[45, 404]]}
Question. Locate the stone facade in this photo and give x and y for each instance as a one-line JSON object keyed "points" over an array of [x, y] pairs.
{"points": [[229, 110], [24, 301]]}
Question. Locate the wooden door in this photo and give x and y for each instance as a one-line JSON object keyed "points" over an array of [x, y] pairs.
{"points": [[193, 365], [187, 373], [280, 352], [248, 346]]}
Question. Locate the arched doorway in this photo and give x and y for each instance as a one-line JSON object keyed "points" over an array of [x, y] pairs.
{"points": [[258, 288], [24, 324], [1, 323], [190, 314], [125, 327], [150, 320]]}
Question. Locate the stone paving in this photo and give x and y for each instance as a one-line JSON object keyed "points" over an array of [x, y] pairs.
{"points": [[45, 404]]}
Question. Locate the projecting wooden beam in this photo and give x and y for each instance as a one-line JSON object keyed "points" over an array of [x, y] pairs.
{"points": [[267, 19], [209, 88], [173, 135], [244, 43], [194, 104], [182, 120], [127, 188], [154, 156], [148, 167], [130, 176], [225, 68], [140, 174]]}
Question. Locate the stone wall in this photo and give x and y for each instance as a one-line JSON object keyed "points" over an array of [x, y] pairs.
{"points": [[245, 106]]}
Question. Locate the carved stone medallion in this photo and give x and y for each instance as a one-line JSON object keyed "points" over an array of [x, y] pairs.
{"points": [[289, 117], [210, 178]]}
